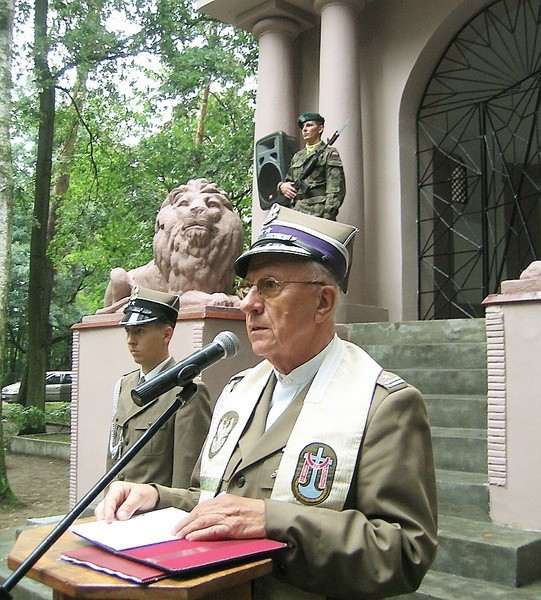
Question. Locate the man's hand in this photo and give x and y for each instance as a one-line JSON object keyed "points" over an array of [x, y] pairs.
{"points": [[224, 517], [287, 189], [124, 499]]}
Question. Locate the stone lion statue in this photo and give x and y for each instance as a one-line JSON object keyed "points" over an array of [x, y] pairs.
{"points": [[197, 237]]}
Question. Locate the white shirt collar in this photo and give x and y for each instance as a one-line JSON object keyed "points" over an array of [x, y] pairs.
{"points": [[288, 386], [151, 374], [307, 371]]}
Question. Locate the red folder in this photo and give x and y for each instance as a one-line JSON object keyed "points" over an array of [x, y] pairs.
{"points": [[112, 564], [143, 549], [179, 556], [156, 561]]}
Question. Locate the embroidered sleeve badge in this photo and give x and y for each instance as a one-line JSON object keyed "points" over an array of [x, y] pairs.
{"points": [[314, 473]]}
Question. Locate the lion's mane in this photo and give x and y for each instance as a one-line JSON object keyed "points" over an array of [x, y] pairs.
{"points": [[197, 237]]}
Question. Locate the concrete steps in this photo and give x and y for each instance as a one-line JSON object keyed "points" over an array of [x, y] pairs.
{"points": [[460, 449], [502, 555], [468, 411], [445, 586], [462, 494], [446, 360], [440, 380]]}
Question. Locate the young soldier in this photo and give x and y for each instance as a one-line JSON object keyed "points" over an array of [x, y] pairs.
{"points": [[326, 183], [149, 320]]}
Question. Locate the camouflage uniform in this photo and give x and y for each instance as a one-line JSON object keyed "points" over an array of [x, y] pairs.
{"points": [[326, 184]]}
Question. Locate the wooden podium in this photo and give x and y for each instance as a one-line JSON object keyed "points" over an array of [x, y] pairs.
{"points": [[73, 581]]}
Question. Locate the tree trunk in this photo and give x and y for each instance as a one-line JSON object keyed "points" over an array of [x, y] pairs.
{"points": [[41, 273], [67, 149], [6, 197], [202, 117]]}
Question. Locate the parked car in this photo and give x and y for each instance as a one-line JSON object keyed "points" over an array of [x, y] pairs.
{"points": [[57, 388]]}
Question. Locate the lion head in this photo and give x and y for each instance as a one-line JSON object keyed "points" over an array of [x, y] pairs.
{"points": [[197, 238]]}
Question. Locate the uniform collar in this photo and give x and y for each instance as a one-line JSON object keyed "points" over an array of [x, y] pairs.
{"points": [[152, 373]]}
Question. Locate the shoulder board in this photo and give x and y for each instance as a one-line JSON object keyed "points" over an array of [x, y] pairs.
{"points": [[391, 381], [131, 372], [237, 378]]}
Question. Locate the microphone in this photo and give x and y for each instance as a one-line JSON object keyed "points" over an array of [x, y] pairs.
{"points": [[224, 345]]}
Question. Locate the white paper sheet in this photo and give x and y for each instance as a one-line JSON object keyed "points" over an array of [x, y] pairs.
{"points": [[142, 530]]}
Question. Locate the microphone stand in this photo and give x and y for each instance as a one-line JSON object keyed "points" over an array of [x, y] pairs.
{"points": [[181, 399]]}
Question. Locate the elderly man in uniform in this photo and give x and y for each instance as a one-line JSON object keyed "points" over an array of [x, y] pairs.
{"points": [[326, 183], [169, 457], [315, 446]]}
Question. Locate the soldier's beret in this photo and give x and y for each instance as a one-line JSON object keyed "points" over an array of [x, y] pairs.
{"points": [[310, 116]]}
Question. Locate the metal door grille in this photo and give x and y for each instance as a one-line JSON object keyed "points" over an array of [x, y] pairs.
{"points": [[479, 161]]}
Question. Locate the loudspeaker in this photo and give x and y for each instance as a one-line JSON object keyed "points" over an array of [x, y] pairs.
{"points": [[273, 154]]}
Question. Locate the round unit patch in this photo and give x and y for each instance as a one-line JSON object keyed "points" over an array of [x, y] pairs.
{"points": [[225, 427]]}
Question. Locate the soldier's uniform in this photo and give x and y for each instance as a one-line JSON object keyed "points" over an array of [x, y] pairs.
{"points": [[326, 183], [169, 457]]}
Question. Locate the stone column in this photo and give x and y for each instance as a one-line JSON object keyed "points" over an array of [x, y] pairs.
{"points": [[276, 101], [339, 99]]}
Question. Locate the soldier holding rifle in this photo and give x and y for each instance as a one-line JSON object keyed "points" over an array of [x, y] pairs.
{"points": [[315, 182]]}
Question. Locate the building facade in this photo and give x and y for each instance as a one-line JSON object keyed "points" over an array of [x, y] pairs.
{"points": [[442, 146]]}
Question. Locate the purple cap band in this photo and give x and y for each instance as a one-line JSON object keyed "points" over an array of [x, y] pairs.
{"points": [[280, 237], [289, 232], [328, 253]]}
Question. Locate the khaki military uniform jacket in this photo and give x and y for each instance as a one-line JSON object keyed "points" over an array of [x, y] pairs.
{"points": [[170, 456], [326, 184], [384, 540]]}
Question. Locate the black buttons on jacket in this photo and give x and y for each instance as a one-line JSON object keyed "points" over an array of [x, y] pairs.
{"points": [[240, 480]]}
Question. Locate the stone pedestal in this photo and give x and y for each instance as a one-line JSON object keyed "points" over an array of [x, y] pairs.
{"points": [[513, 322]]}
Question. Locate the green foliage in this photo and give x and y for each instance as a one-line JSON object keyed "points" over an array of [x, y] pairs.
{"points": [[19, 419], [143, 64], [58, 413]]}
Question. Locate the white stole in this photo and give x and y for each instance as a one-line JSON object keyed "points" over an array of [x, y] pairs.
{"points": [[325, 440]]}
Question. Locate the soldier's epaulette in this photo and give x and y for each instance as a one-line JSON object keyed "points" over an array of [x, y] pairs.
{"points": [[130, 372], [391, 381]]}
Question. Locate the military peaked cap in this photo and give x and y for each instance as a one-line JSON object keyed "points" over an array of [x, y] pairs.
{"points": [[147, 306], [287, 231]]}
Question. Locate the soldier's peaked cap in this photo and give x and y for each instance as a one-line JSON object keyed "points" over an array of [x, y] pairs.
{"points": [[310, 116], [147, 306], [289, 232]]}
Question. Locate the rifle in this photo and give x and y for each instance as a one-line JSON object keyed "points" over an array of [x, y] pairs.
{"points": [[309, 166]]}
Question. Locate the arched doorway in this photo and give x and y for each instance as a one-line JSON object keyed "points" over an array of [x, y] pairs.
{"points": [[479, 161]]}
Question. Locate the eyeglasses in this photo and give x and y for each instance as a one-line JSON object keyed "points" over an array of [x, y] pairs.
{"points": [[268, 287]]}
